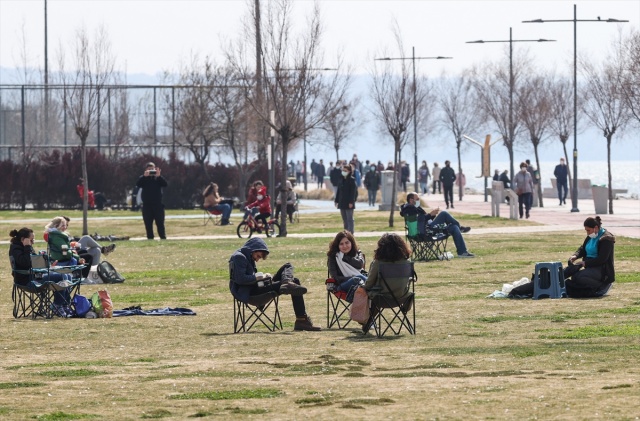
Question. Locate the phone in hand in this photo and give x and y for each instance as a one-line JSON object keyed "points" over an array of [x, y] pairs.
{"points": [[152, 172]]}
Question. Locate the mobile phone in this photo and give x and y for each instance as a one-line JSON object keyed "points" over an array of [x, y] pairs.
{"points": [[152, 172]]}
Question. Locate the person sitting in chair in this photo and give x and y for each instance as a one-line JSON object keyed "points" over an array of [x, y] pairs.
{"points": [[212, 201], [246, 282], [435, 218], [20, 253], [594, 274], [345, 262]]}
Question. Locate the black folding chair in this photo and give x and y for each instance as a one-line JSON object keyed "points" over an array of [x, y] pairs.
{"points": [[389, 311], [261, 308], [432, 245], [337, 306]]}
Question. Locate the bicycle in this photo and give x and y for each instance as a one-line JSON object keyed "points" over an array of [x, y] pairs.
{"points": [[250, 224]]}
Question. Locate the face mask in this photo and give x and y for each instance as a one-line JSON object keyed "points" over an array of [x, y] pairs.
{"points": [[523, 170], [260, 197], [345, 173], [417, 205], [373, 168], [593, 235]]}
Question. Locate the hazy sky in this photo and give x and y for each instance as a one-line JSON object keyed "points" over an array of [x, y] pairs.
{"points": [[149, 37], [152, 36]]}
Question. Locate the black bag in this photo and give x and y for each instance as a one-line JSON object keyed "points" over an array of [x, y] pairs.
{"points": [[108, 273]]}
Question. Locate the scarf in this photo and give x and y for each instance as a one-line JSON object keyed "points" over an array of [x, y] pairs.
{"points": [[346, 269]]}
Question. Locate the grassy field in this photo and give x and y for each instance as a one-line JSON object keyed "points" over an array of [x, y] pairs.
{"points": [[472, 357]]}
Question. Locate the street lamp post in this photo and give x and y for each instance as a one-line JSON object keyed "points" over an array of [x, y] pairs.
{"points": [[413, 59], [511, 82], [575, 20]]}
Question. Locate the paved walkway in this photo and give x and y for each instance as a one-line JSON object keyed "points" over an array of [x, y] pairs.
{"points": [[625, 221]]}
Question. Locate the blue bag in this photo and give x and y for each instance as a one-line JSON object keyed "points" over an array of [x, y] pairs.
{"points": [[81, 304]]}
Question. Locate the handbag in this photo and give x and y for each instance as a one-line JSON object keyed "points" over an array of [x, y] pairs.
{"points": [[359, 309]]}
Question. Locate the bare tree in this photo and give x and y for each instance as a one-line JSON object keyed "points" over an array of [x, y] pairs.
{"points": [[393, 95], [91, 70], [497, 87], [340, 125], [561, 123], [630, 49], [535, 101], [605, 104], [294, 89], [459, 110]]}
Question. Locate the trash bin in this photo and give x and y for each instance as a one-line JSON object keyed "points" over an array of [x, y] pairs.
{"points": [[600, 199], [386, 186]]}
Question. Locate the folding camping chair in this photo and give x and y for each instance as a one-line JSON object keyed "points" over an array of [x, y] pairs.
{"points": [[432, 245], [212, 216], [261, 308], [337, 306], [36, 298], [391, 312]]}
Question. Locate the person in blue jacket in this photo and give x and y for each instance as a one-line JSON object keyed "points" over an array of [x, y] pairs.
{"points": [[245, 280]]}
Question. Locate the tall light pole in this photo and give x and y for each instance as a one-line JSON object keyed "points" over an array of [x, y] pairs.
{"points": [[575, 20], [511, 82], [413, 59]]}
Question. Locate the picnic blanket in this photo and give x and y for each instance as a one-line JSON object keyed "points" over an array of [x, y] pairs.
{"points": [[166, 311]]}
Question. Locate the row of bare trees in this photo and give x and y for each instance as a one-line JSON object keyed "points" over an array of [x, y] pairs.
{"points": [[233, 108]]}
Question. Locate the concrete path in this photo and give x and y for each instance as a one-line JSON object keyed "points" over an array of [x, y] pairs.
{"points": [[625, 221]]}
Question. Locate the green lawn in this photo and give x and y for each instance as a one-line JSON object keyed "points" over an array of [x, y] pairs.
{"points": [[471, 358]]}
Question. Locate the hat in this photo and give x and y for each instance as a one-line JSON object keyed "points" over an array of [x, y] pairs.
{"points": [[262, 190], [288, 184]]}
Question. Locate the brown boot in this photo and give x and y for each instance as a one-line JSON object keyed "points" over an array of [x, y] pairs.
{"points": [[305, 323]]}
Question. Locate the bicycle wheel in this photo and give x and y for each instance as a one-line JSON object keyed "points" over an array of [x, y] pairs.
{"points": [[244, 230], [273, 229]]}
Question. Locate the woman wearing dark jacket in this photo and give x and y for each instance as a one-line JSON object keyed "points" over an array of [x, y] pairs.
{"points": [[20, 253], [345, 262], [346, 197], [594, 274]]}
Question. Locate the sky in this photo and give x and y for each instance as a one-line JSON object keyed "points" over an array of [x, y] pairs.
{"points": [[149, 37]]}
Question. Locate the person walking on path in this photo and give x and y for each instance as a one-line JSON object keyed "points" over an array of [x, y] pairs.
{"points": [[424, 175], [447, 178], [152, 182], [346, 197], [561, 174], [372, 183], [435, 174], [335, 177], [524, 189], [320, 173]]}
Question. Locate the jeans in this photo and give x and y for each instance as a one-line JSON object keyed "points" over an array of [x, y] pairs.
{"points": [[224, 208], [562, 197], [453, 228], [372, 197], [525, 199], [423, 187], [347, 220], [346, 285]]}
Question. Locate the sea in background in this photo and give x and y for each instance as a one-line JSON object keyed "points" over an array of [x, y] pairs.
{"points": [[624, 174]]}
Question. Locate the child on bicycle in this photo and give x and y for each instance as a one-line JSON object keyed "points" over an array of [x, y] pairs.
{"points": [[263, 203]]}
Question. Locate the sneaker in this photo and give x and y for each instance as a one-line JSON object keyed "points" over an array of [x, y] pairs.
{"points": [[305, 323], [108, 249], [291, 288], [465, 229], [467, 254]]}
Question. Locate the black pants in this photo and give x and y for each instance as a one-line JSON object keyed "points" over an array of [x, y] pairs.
{"points": [[436, 183], [151, 213], [448, 194], [284, 274]]}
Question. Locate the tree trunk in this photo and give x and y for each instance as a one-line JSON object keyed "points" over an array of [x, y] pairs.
{"points": [[512, 174], [85, 183], [460, 186], [283, 183], [609, 174], [539, 185], [566, 157]]}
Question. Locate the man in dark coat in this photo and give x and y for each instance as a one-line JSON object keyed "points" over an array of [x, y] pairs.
{"points": [[561, 172], [244, 280], [335, 176], [372, 183], [447, 178], [320, 173], [152, 183]]}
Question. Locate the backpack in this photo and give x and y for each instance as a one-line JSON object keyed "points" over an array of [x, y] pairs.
{"points": [[82, 305], [108, 273]]}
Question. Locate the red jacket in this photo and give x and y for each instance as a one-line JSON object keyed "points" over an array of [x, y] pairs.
{"points": [[264, 204]]}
